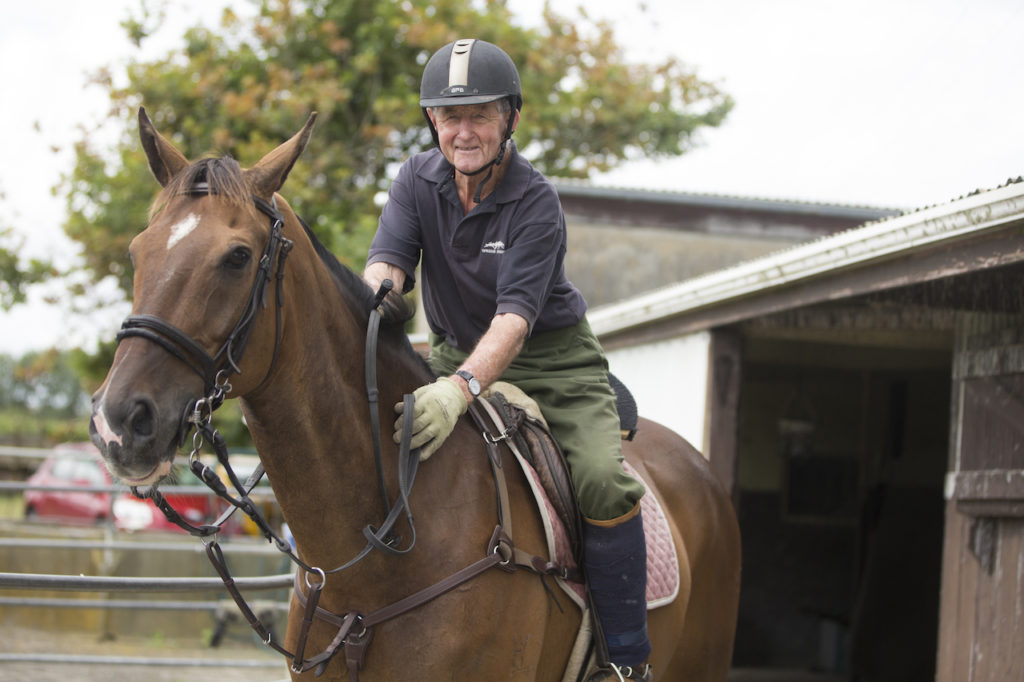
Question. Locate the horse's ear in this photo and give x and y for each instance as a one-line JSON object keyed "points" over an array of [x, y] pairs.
{"points": [[267, 176], [164, 159]]}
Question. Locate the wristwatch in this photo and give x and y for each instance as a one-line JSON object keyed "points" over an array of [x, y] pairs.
{"points": [[471, 382]]}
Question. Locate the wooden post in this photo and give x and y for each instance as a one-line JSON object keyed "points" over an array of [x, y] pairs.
{"points": [[726, 370]]}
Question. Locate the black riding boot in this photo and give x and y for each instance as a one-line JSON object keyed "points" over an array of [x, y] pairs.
{"points": [[615, 561]]}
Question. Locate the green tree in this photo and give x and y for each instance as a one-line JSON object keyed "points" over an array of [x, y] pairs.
{"points": [[358, 62], [44, 382], [16, 274], [41, 399]]}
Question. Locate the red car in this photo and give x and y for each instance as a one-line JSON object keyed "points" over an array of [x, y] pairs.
{"points": [[72, 465], [79, 465]]}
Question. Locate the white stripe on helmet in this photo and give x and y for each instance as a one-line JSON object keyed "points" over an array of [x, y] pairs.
{"points": [[458, 67]]}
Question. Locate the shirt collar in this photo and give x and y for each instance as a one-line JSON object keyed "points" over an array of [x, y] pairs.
{"points": [[512, 187]]}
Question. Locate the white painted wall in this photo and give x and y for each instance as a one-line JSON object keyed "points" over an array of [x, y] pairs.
{"points": [[669, 381]]}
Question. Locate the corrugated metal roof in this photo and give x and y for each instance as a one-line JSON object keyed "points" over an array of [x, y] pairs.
{"points": [[972, 214], [584, 188]]}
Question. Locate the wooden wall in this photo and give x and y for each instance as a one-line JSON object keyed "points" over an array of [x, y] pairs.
{"points": [[981, 634]]}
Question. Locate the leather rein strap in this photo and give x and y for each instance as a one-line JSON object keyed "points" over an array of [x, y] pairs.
{"points": [[355, 630], [381, 538]]}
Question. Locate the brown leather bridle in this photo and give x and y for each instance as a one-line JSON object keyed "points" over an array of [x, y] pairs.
{"points": [[226, 359]]}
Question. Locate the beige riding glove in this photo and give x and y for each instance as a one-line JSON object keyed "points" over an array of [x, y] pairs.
{"points": [[438, 406]]}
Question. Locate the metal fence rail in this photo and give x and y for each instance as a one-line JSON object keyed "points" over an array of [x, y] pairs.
{"points": [[257, 494], [118, 545], [223, 610], [95, 583], [143, 660], [133, 605]]}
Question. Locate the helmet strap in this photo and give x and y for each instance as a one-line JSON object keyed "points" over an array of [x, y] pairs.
{"points": [[496, 161], [480, 187]]}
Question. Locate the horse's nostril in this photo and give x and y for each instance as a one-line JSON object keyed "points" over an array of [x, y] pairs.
{"points": [[140, 421]]}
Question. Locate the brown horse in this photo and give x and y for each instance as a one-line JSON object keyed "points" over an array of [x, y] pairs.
{"points": [[302, 387]]}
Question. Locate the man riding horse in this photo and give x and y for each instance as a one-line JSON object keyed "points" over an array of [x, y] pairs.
{"points": [[491, 234]]}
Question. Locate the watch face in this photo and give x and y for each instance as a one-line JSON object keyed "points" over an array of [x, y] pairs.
{"points": [[471, 382]]}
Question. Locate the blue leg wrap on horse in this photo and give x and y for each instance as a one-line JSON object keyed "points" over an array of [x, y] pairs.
{"points": [[615, 560]]}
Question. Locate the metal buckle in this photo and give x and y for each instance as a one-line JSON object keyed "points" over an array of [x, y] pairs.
{"points": [[356, 638], [504, 549], [494, 440], [320, 571]]}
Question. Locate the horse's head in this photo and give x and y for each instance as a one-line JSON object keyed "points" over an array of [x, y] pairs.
{"points": [[204, 267]]}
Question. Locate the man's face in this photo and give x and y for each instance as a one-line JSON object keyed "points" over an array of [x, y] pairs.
{"points": [[470, 135]]}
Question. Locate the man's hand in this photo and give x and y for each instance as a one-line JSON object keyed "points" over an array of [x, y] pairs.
{"points": [[438, 406]]}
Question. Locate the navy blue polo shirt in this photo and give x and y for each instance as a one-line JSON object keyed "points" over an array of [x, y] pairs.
{"points": [[506, 256]]}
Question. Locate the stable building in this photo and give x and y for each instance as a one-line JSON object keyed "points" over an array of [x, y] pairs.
{"points": [[861, 396], [623, 242]]}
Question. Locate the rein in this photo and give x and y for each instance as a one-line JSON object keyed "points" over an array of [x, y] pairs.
{"points": [[376, 539], [354, 632], [354, 628], [500, 552]]}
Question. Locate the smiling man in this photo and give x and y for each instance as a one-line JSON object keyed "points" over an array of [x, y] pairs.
{"points": [[491, 235]]}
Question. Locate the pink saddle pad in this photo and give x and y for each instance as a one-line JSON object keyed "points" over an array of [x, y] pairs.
{"points": [[662, 562]]}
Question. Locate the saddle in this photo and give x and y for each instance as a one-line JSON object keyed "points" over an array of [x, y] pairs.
{"points": [[506, 414], [525, 428], [519, 420]]}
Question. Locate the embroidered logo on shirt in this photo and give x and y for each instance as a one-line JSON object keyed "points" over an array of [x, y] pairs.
{"points": [[493, 247]]}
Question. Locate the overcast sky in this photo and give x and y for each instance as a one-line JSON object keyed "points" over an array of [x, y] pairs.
{"points": [[902, 103]]}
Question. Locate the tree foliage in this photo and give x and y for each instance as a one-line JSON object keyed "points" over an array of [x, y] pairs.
{"points": [[42, 381], [17, 274], [42, 399], [243, 90]]}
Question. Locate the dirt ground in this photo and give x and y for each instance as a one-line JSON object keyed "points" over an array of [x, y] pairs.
{"points": [[240, 660]]}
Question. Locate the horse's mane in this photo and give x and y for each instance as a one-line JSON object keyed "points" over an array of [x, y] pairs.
{"points": [[351, 285], [356, 291], [359, 295]]}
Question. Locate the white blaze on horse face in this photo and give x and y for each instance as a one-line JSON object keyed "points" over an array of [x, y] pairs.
{"points": [[99, 416], [182, 230], [103, 429]]}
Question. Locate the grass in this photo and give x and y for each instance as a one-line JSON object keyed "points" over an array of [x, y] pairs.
{"points": [[11, 506], [29, 429]]}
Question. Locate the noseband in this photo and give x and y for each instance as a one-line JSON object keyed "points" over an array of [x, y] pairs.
{"points": [[216, 367]]}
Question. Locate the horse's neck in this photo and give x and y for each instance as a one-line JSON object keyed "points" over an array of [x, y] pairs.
{"points": [[311, 426], [313, 432]]}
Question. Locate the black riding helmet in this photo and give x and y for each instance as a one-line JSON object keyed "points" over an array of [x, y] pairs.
{"points": [[471, 72]]}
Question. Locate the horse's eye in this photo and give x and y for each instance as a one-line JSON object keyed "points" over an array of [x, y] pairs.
{"points": [[238, 257]]}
